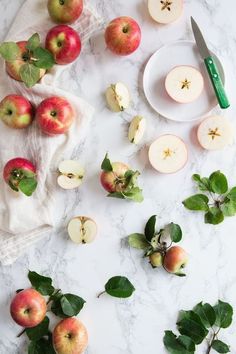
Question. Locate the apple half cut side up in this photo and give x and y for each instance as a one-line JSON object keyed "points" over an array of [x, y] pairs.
{"points": [[137, 129], [71, 174], [165, 11], [118, 97], [82, 229]]}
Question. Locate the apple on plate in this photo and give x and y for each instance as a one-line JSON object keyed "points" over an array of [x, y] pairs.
{"points": [[184, 84], [16, 111], [28, 308], [65, 11], [70, 336], [64, 43], [137, 129], [71, 174], [55, 115], [118, 97], [165, 11], [82, 229], [123, 35], [175, 260], [168, 154], [215, 133]]}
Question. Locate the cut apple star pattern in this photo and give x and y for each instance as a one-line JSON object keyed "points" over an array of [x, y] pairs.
{"points": [[166, 5]]}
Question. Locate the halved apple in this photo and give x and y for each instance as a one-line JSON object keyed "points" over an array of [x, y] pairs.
{"points": [[82, 229], [184, 84], [71, 174], [136, 129], [215, 133], [168, 154], [118, 97], [165, 11]]}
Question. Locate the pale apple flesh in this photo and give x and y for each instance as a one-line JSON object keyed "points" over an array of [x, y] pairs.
{"points": [[215, 133], [114, 181], [71, 174], [175, 260], [137, 129], [168, 154], [165, 11], [118, 97], [184, 84], [82, 229], [65, 11]]}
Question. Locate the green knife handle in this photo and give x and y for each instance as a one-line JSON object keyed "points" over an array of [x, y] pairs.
{"points": [[217, 83]]}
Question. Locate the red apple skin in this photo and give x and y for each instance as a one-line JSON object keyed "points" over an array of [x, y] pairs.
{"points": [[70, 337], [109, 178], [55, 115], [16, 166], [64, 43], [65, 11], [175, 259], [16, 111], [13, 68], [123, 35], [28, 308]]}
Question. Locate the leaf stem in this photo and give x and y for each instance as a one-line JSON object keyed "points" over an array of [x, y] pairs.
{"points": [[103, 292], [212, 340], [51, 296], [20, 334]]}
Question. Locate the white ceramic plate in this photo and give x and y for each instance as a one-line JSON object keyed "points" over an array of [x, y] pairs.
{"points": [[158, 66]]}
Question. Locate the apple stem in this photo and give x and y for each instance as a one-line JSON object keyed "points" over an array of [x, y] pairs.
{"points": [[20, 334], [103, 292]]}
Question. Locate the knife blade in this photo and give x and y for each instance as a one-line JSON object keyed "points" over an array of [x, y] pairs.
{"points": [[211, 66]]}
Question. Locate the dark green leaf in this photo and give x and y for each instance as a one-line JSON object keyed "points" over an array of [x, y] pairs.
{"points": [[28, 186], [9, 51], [175, 232], [150, 228], [181, 345], [42, 346], [106, 164], [33, 42], [218, 182], [190, 325], [232, 194], [35, 333], [56, 306], [207, 314], [118, 195], [198, 202], [220, 347], [224, 314], [229, 207], [71, 304], [40, 283], [214, 216], [203, 183], [29, 74], [44, 59], [138, 241], [119, 286]]}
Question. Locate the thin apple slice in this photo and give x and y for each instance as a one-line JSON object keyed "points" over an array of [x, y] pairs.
{"points": [[215, 133], [137, 129], [118, 97], [82, 229], [168, 154], [184, 84], [165, 11], [71, 174]]}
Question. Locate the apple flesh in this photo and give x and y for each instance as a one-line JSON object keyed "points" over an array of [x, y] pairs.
{"points": [[70, 337], [165, 11], [215, 133], [28, 308], [123, 35], [156, 259], [65, 11], [64, 43], [82, 229], [137, 129], [71, 174], [175, 260], [114, 181], [55, 115], [168, 154], [118, 97], [184, 84]]}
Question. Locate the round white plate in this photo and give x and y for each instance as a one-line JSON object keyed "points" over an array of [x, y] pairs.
{"points": [[159, 65]]}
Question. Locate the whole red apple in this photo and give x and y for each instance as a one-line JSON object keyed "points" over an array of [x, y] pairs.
{"points": [[123, 35], [114, 181], [16, 111], [175, 259], [65, 11], [70, 337], [13, 67], [28, 308], [55, 115], [64, 43]]}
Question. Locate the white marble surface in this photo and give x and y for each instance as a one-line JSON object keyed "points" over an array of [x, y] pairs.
{"points": [[136, 325]]}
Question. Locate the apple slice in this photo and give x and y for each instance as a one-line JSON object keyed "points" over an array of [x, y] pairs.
{"points": [[165, 11], [118, 97], [137, 129], [71, 174], [184, 84], [82, 229], [215, 133], [168, 154]]}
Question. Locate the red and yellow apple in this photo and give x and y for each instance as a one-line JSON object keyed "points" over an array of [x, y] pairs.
{"points": [[114, 181], [175, 260], [65, 11]]}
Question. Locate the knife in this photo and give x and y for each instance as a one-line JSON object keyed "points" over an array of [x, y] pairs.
{"points": [[211, 66]]}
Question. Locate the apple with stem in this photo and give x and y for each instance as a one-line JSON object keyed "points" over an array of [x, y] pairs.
{"points": [[175, 260], [165, 11], [82, 229], [65, 11], [114, 181]]}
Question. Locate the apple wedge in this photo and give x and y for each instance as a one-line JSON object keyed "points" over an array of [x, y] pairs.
{"points": [[165, 11], [82, 229], [71, 174], [215, 133], [137, 129], [184, 84], [168, 154], [118, 97]]}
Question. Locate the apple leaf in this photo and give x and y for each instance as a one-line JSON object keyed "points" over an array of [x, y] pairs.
{"points": [[229, 207], [224, 314], [138, 241], [28, 185], [119, 286], [214, 216], [175, 232], [178, 345], [197, 202], [220, 347], [106, 164], [33, 42], [190, 325], [42, 346], [218, 182], [40, 283], [207, 314], [134, 194], [150, 228], [39, 331], [67, 305], [43, 58], [9, 51], [203, 183], [29, 74], [232, 194]]}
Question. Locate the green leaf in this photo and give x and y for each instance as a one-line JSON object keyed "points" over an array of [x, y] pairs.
{"points": [[33, 42], [214, 216], [181, 345], [42, 346], [229, 207], [203, 183], [135, 194], [29, 74], [106, 164], [40, 283], [220, 347], [118, 195], [71, 304], [232, 194], [190, 325], [207, 314], [218, 182], [131, 179], [119, 286], [175, 232], [41, 330], [28, 185], [197, 202], [150, 228], [44, 59], [224, 314], [138, 241], [9, 51]]}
